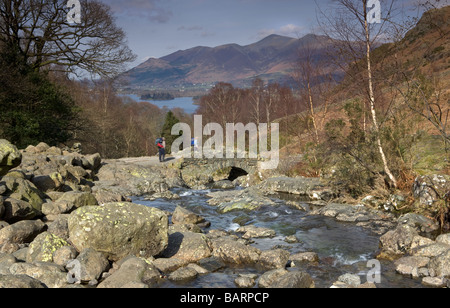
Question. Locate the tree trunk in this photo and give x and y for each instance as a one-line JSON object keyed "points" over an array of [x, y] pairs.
{"points": [[372, 104]]}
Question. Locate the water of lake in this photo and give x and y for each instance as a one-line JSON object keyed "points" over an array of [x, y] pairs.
{"points": [[185, 103]]}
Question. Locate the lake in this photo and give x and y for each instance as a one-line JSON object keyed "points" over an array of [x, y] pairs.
{"points": [[185, 103]]}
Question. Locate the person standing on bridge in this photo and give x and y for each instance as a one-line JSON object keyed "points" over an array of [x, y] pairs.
{"points": [[162, 149]]}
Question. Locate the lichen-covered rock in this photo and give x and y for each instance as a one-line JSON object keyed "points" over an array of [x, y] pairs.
{"points": [[397, 242], [440, 266], [21, 189], [119, 229], [430, 188], [43, 247], [10, 157]]}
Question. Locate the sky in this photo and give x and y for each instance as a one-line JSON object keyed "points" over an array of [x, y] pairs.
{"points": [[156, 28]]}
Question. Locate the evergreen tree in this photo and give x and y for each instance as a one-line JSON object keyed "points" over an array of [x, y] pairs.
{"points": [[33, 109], [171, 120]]}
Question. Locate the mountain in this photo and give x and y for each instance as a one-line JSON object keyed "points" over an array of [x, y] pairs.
{"points": [[273, 59]]}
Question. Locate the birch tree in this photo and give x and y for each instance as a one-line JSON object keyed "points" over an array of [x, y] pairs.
{"points": [[359, 26]]}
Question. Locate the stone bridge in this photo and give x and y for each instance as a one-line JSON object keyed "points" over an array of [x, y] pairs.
{"points": [[201, 171]]}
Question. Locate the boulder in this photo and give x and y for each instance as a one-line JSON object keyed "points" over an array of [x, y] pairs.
{"points": [[73, 200], [349, 213], [10, 157], [432, 250], [397, 242], [91, 265], [256, 232], [422, 224], [64, 255], [41, 147], [21, 189], [350, 279], [132, 179], [296, 186], [169, 265], [188, 246], [435, 282], [17, 210], [429, 189], [269, 278], [294, 280], [184, 216], [119, 229], [132, 271], [443, 239], [212, 264], [183, 274], [51, 182], [51, 275], [303, 257], [234, 252], [272, 259], [412, 266], [21, 232], [6, 260], [245, 282], [59, 226], [92, 162], [249, 199], [43, 247], [440, 266], [20, 282]]}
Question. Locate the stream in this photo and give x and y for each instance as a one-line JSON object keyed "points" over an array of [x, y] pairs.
{"points": [[342, 247]]}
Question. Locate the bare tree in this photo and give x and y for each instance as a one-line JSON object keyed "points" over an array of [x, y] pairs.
{"points": [[256, 94], [40, 33]]}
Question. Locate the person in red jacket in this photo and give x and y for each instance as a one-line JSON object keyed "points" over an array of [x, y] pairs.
{"points": [[162, 149]]}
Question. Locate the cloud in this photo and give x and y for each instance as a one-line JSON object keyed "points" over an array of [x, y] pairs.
{"points": [[148, 9], [287, 30]]}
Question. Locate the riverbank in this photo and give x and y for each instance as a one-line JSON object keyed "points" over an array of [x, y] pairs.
{"points": [[67, 219]]}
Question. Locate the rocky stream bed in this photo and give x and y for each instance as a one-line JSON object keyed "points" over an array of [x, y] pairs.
{"points": [[73, 220]]}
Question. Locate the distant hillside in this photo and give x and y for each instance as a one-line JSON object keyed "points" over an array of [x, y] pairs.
{"points": [[273, 59]]}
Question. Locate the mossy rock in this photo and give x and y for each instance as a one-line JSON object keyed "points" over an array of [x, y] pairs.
{"points": [[10, 157], [43, 247], [119, 229]]}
